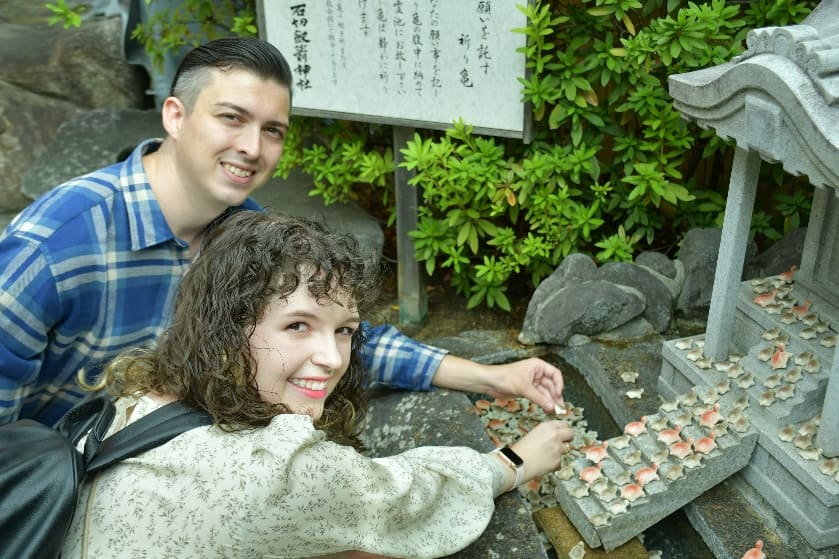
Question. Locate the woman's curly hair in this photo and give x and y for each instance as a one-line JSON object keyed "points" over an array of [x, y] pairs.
{"points": [[247, 261]]}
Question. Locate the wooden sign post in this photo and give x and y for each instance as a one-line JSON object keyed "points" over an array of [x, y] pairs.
{"points": [[410, 64]]}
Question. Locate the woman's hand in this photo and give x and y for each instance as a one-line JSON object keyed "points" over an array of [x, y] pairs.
{"points": [[541, 450]]}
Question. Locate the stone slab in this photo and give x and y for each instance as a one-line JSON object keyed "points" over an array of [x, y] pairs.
{"points": [[711, 515], [679, 481], [601, 365], [399, 420]]}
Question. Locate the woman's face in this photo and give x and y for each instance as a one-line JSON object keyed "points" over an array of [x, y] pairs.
{"points": [[302, 349]]}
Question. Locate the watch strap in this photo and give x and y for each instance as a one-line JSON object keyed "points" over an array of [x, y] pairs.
{"points": [[513, 461]]}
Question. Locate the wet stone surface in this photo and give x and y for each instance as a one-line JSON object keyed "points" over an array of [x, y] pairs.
{"points": [[399, 420]]}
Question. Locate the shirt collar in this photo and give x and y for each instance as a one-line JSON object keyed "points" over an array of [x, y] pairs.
{"points": [[146, 223]]}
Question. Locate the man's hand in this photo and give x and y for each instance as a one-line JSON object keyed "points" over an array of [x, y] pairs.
{"points": [[533, 378]]}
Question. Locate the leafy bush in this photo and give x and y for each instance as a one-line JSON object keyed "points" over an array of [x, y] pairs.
{"points": [[613, 168]]}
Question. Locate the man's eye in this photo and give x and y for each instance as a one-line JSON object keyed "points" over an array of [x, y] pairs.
{"points": [[275, 133]]}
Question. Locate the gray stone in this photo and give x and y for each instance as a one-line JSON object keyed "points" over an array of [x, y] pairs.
{"points": [[24, 12], [586, 308], [92, 140], [574, 268], [674, 284], [83, 66], [779, 257], [636, 329], [657, 261], [399, 420], [698, 254], [48, 74], [578, 340], [659, 303], [291, 196], [27, 123]]}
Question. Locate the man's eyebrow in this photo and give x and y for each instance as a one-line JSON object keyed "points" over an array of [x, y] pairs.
{"points": [[247, 113]]}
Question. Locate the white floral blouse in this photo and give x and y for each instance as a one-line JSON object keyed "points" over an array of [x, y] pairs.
{"points": [[282, 491]]}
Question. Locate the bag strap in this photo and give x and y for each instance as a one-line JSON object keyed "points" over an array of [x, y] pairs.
{"points": [[150, 431], [92, 417]]}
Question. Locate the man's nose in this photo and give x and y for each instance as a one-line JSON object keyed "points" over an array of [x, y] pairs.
{"points": [[249, 142]]}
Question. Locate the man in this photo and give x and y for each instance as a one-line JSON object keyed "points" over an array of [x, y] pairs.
{"points": [[92, 267]]}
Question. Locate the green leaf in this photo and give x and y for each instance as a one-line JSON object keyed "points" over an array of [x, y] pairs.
{"points": [[601, 11], [476, 298], [576, 131]]}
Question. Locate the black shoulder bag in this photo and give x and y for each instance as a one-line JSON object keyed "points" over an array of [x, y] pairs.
{"points": [[41, 469]]}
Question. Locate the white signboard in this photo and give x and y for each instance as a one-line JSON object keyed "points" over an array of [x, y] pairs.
{"points": [[413, 63]]}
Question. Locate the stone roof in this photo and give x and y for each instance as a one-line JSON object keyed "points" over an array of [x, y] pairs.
{"points": [[779, 98]]}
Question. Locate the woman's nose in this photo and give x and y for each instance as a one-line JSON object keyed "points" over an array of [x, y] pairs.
{"points": [[327, 354]]}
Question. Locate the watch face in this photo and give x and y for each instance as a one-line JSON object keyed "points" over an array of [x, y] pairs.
{"points": [[514, 458]]}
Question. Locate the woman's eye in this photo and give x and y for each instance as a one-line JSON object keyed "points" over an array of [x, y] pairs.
{"points": [[297, 326], [346, 330]]}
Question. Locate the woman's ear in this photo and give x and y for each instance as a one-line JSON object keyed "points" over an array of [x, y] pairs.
{"points": [[173, 113]]}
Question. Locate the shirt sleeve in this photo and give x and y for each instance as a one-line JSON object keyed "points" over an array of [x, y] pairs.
{"points": [[392, 358], [426, 502], [28, 300]]}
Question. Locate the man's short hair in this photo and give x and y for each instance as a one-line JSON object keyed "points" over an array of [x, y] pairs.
{"points": [[246, 53]]}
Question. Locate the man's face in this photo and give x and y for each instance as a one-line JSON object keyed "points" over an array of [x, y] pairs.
{"points": [[229, 143]]}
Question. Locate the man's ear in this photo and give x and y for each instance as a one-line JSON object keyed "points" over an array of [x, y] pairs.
{"points": [[173, 113]]}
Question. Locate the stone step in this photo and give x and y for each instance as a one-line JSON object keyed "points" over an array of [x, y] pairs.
{"points": [[753, 321], [604, 509], [785, 469]]}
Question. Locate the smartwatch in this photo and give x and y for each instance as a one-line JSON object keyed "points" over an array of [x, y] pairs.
{"points": [[513, 460]]}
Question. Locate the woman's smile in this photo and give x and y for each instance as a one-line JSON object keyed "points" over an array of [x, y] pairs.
{"points": [[315, 389]]}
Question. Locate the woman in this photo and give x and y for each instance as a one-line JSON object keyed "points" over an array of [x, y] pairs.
{"points": [[265, 337]]}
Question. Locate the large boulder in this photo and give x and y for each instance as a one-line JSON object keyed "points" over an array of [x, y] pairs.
{"points": [[28, 122], [658, 310], [84, 65], [574, 268], [779, 257], [48, 75], [589, 307], [90, 141], [699, 251]]}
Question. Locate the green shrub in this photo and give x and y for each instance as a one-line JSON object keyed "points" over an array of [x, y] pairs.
{"points": [[613, 168]]}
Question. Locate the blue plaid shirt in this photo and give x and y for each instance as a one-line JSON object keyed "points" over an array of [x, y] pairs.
{"points": [[91, 268]]}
